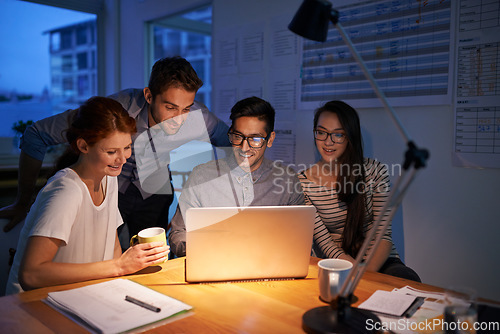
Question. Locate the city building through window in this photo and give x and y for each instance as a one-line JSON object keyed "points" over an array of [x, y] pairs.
{"points": [[49, 65]]}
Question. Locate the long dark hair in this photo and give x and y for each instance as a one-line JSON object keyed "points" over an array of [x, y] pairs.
{"points": [[351, 175], [96, 119]]}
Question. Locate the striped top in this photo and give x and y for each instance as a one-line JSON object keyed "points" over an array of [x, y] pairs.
{"points": [[331, 213]]}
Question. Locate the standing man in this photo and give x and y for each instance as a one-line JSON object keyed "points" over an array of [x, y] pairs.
{"points": [[245, 177], [164, 104]]}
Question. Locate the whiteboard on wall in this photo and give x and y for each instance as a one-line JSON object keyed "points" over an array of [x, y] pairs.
{"points": [[405, 45]]}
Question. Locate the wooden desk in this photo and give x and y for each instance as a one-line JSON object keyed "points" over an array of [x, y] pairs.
{"points": [[248, 307]]}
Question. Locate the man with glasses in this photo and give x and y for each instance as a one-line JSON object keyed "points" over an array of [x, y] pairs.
{"points": [[245, 177]]}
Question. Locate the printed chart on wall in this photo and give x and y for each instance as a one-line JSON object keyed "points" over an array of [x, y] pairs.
{"points": [[477, 82], [405, 45], [260, 59]]}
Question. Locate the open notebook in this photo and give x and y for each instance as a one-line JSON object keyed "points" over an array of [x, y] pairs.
{"points": [[258, 242]]}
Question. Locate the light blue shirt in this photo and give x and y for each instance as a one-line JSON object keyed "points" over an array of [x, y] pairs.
{"points": [[221, 183]]}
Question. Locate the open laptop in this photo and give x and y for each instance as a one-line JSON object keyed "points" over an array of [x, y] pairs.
{"points": [[257, 242]]}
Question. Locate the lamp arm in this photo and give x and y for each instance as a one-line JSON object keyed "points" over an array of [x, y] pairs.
{"points": [[369, 76], [340, 317], [414, 157], [377, 232]]}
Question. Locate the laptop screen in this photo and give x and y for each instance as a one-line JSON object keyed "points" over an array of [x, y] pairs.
{"points": [[258, 242]]}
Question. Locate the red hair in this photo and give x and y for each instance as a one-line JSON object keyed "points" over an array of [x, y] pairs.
{"points": [[96, 119]]}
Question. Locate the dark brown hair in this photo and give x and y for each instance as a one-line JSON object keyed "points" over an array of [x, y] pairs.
{"points": [[96, 119], [173, 72], [349, 179]]}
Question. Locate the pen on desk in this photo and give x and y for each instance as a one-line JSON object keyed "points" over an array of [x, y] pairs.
{"points": [[143, 304], [414, 307]]}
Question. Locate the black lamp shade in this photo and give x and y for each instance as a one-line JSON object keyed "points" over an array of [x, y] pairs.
{"points": [[312, 19]]}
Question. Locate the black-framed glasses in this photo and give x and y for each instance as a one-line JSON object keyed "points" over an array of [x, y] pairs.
{"points": [[237, 139], [336, 137]]}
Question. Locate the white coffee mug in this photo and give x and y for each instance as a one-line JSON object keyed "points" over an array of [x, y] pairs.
{"points": [[331, 276]]}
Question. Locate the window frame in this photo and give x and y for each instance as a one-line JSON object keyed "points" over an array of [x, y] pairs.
{"points": [[176, 21]]}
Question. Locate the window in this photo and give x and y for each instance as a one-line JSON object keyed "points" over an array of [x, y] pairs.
{"points": [[68, 89], [41, 76], [166, 37], [196, 44], [79, 61], [66, 39], [68, 86], [188, 35], [81, 35], [93, 59], [55, 42], [67, 63], [200, 68], [82, 60], [83, 85]]}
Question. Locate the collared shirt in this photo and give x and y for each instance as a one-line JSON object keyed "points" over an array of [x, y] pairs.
{"points": [[50, 131], [222, 183]]}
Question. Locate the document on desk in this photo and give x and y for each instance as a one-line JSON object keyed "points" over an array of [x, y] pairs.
{"points": [[103, 307], [428, 316], [388, 302]]}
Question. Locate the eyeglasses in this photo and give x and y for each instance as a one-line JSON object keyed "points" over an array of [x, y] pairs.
{"points": [[337, 138], [237, 139]]}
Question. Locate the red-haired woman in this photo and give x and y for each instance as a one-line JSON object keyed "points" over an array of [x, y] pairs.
{"points": [[70, 232]]}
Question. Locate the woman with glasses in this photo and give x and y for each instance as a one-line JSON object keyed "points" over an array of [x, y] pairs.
{"points": [[348, 191]]}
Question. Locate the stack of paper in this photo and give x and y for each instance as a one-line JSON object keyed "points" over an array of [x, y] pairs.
{"points": [[388, 302], [102, 307], [427, 318]]}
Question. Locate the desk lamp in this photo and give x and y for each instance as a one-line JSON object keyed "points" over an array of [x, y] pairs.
{"points": [[311, 21]]}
